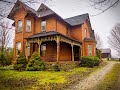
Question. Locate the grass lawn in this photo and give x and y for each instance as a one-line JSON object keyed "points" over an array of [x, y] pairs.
{"points": [[41, 80], [112, 80]]}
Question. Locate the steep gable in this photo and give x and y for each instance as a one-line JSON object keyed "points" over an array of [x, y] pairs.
{"points": [[44, 11], [18, 5]]}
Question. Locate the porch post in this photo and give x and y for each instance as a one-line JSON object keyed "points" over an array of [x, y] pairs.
{"points": [[58, 47], [72, 52], [39, 46], [26, 50]]}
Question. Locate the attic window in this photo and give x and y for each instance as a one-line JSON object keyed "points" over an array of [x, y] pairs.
{"points": [[43, 26], [19, 26]]}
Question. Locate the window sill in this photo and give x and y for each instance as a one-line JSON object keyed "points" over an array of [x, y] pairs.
{"points": [[28, 31], [18, 31]]}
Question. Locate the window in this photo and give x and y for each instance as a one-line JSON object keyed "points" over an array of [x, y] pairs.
{"points": [[28, 49], [43, 26], [18, 48], [43, 50], [89, 50], [28, 25], [19, 25]]}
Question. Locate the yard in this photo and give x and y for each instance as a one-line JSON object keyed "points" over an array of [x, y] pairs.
{"points": [[43, 80]]}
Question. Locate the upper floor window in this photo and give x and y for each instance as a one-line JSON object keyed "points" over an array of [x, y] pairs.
{"points": [[28, 25], [19, 26], [18, 48], [43, 26], [89, 50]]}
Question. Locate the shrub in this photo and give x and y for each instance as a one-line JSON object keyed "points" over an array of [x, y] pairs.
{"points": [[9, 57], [56, 67], [2, 59], [35, 64], [21, 63], [98, 54], [89, 61]]}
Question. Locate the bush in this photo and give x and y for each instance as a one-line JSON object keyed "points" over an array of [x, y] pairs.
{"points": [[56, 67], [9, 57], [35, 64], [2, 59], [89, 61], [98, 54], [21, 63]]}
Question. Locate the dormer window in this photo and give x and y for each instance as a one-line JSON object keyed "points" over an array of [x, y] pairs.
{"points": [[43, 26], [19, 26], [28, 25]]}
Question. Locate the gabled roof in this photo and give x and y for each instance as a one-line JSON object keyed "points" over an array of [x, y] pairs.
{"points": [[106, 50], [77, 20], [17, 6], [45, 11]]}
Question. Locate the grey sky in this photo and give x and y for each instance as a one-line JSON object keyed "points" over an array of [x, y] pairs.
{"points": [[102, 24]]}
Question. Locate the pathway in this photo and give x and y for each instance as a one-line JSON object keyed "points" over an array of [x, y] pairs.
{"points": [[91, 82]]}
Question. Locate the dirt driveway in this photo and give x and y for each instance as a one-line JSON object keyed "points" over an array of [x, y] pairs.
{"points": [[93, 80]]}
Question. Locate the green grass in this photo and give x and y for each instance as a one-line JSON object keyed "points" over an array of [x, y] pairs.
{"points": [[111, 80], [42, 80]]}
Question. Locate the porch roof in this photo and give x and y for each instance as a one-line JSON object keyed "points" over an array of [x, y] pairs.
{"points": [[50, 33]]}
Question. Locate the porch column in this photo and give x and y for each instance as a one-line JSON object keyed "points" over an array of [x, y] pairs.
{"points": [[72, 52], [39, 46], [58, 47], [26, 50]]}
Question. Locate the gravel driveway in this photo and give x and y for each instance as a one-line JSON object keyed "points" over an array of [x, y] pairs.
{"points": [[91, 82]]}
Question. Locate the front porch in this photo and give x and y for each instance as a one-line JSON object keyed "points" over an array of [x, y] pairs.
{"points": [[54, 47]]}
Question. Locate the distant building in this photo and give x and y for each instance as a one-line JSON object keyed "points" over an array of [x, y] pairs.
{"points": [[106, 53]]}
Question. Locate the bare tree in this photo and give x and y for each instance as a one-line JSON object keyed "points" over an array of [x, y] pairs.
{"points": [[5, 35], [103, 5], [6, 5], [98, 41], [114, 38]]}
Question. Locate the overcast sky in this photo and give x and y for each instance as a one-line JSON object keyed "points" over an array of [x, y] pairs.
{"points": [[101, 24]]}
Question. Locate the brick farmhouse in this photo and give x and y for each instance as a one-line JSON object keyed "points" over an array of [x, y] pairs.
{"points": [[54, 38]]}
